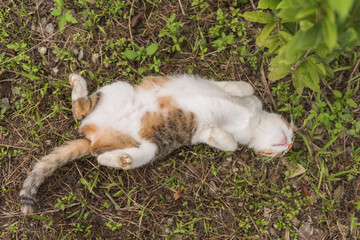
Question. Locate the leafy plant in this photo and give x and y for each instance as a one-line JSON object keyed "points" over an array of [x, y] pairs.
{"points": [[172, 31], [304, 36], [62, 16], [336, 117]]}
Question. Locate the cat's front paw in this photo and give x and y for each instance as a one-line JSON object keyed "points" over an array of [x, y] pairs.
{"points": [[117, 160], [79, 86]]}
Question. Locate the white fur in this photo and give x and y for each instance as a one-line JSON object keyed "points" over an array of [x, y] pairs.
{"points": [[227, 113]]}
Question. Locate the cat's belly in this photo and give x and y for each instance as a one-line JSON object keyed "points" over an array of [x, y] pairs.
{"points": [[120, 114]]}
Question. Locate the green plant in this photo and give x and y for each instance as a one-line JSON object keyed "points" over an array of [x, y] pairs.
{"points": [[304, 36], [287, 101], [172, 31], [91, 183], [336, 117], [61, 203], [113, 225], [62, 16]]}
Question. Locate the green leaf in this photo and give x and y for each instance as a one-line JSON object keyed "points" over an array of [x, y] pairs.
{"points": [[151, 49], [337, 94], [260, 17], [265, 33], [37, 217], [56, 11], [329, 30], [62, 22], [306, 25], [284, 37], [278, 70], [73, 214], [27, 75], [342, 8], [268, 4], [230, 39], [12, 46], [312, 80], [69, 17], [351, 103], [130, 54], [284, 4], [306, 12], [297, 81]]}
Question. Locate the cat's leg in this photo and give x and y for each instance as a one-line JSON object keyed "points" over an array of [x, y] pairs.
{"points": [[82, 105], [216, 137], [129, 158], [236, 88]]}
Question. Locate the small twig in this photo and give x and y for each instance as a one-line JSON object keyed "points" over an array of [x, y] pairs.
{"points": [[253, 5], [352, 74], [181, 7], [302, 59], [266, 85], [129, 24]]}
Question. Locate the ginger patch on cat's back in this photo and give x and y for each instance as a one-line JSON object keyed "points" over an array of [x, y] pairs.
{"points": [[151, 82], [169, 128]]}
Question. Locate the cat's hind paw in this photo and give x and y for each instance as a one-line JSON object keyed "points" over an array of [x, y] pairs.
{"points": [[116, 160]]}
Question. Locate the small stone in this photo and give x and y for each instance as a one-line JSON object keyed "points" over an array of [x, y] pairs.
{"points": [[94, 57], [49, 28], [38, 29], [42, 50], [6, 102], [235, 170], [267, 212], [42, 22], [338, 193], [306, 231], [313, 197], [55, 70], [295, 221], [75, 51], [81, 55]]}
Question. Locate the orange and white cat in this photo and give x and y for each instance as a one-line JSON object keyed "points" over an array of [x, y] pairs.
{"points": [[127, 126]]}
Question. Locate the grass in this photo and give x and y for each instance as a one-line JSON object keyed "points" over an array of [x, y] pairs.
{"points": [[197, 192]]}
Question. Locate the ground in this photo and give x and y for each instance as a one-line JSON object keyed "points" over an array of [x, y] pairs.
{"points": [[198, 192]]}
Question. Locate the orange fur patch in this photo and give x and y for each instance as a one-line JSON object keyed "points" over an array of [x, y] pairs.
{"points": [[166, 102], [88, 130], [85, 105], [151, 81], [112, 140], [148, 123], [80, 107]]}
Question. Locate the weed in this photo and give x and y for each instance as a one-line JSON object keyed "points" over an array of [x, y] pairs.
{"points": [[62, 16], [288, 102], [61, 203], [172, 31], [113, 225]]}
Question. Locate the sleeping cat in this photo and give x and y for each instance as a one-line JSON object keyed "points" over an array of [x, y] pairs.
{"points": [[128, 126]]}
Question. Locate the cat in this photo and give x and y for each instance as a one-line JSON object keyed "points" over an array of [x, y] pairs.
{"points": [[127, 126]]}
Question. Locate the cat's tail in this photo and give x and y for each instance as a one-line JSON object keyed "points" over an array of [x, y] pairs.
{"points": [[46, 166]]}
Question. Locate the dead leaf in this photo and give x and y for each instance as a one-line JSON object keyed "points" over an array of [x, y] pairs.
{"points": [[193, 169], [177, 195], [139, 16], [306, 231], [305, 193], [338, 193], [296, 170], [344, 229]]}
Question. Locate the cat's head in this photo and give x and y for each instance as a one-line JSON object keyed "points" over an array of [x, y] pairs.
{"points": [[273, 136]]}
